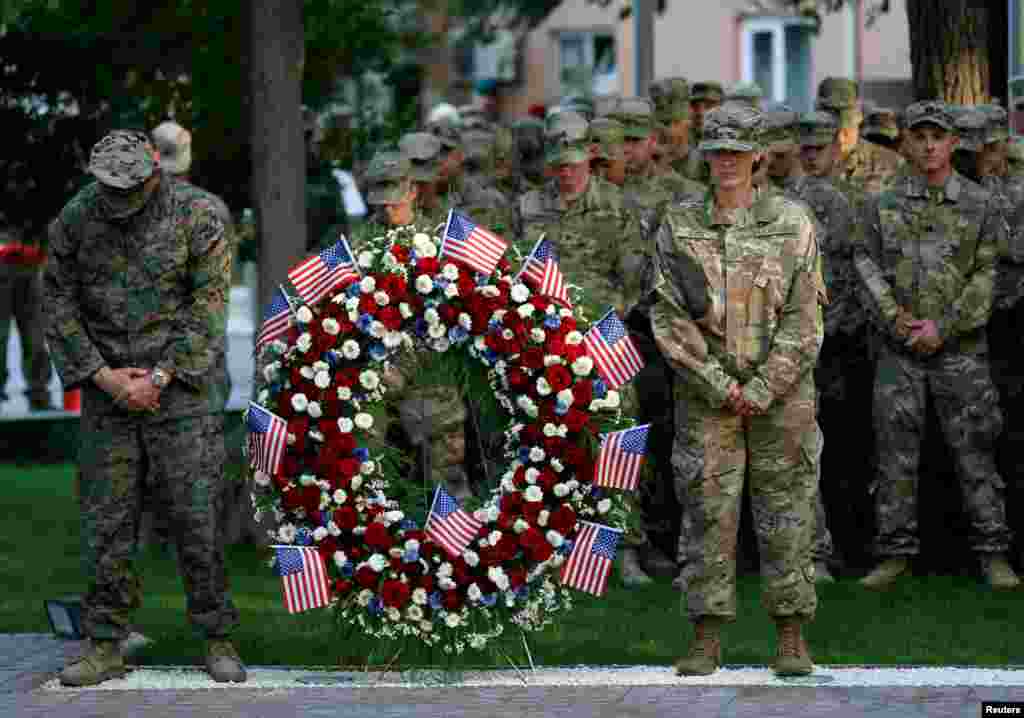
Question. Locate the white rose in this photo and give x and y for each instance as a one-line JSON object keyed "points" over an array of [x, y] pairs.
{"points": [[344, 393], [494, 537], [356, 482], [542, 517], [350, 349], [498, 315], [391, 517], [340, 559], [286, 534], [525, 310], [393, 340], [436, 331], [493, 512], [507, 334], [445, 584], [352, 304], [498, 577], [537, 454], [304, 315], [574, 337], [394, 614], [377, 329], [565, 396], [520, 293], [445, 570], [453, 620], [431, 316], [339, 496], [364, 421], [368, 285], [307, 372], [477, 641], [474, 593], [533, 493], [270, 371], [554, 538], [364, 597], [420, 239], [419, 597], [331, 326], [526, 404], [333, 529], [582, 366], [304, 342], [320, 533], [344, 425], [552, 360], [322, 379], [366, 259], [561, 490], [369, 379], [452, 290], [489, 291], [429, 250], [557, 465], [507, 485], [368, 467], [377, 562], [314, 410], [604, 505], [262, 479], [450, 272], [381, 298], [537, 335], [299, 402], [313, 433], [405, 310], [520, 525], [543, 388], [532, 475], [612, 399], [424, 284]]}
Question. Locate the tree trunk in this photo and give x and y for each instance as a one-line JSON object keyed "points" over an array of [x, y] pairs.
{"points": [[949, 50]]}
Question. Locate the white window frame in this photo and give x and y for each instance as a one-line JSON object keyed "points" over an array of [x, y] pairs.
{"points": [[588, 37], [776, 27]]}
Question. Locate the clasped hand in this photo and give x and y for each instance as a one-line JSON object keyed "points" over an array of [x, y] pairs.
{"points": [[131, 388], [739, 404], [920, 335]]}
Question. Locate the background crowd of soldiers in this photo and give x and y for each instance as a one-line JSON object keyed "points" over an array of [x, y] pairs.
{"points": [[594, 176]]}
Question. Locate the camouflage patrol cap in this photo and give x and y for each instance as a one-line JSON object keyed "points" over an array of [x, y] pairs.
{"points": [[122, 160], [637, 117], [817, 129], [838, 93], [998, 128], [748, 92], [607, 136], [565, 138], [929, 112], [387, 177], [780, 132], [971, 125], [706, 91], [881, 122], [446, 129], [423, 151], [473, 117], [734, 126], [671, 98]]}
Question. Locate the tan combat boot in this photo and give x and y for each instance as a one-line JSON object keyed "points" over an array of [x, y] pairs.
{"points": [[222, 661], [633, 574], [706, 650], [998, 572], [792, 657], [885, 573], [101, 662]]}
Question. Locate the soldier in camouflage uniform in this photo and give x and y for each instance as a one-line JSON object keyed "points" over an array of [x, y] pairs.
{"points": [[529, 167], [863, 164], [748, 93], [843, 355], [137, 283], [422, 150], [607, 150], [927, 263], [737, 313], [704, 97], [391, 192], [671, 98], [783, 168], [450, 178], [482, 201], [882, 126], [326, 218]]}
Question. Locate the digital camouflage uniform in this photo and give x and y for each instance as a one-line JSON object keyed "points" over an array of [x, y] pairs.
{"points": [[148, 290], [694, 167], [762, 330], [932, 252], [780, 135]]}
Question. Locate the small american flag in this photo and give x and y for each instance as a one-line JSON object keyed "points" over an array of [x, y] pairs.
{"points": [[449, 525], [276, 320], [614, 353], [321, 273], [303, 578], [541, 272], [471, 244], [622, 453], [268, 433], [591, 559]]}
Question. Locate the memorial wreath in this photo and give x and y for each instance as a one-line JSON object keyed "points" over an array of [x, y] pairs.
{"points": [[330, 377]]}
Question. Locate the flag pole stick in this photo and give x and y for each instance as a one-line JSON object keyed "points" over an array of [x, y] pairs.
{"points": [[512, 663], [444, 235], [526, 647], [432, 503], [348, 251], [530, 256]]}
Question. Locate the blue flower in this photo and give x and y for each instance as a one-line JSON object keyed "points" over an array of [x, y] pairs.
{"points": [[411, 556], [435, 600], [596, 492], [304, 537], [490, 355], [364, 322], [376, 606], [440, 282], [600, 388], [489, 599], [457, 335], [353, 290], [347, 569], [553, 321], [421, 327], [378, 351], [407, 525], [332, 358], [362, 453], [566, 547], [524, 454], [561, 408], [522, 592]]}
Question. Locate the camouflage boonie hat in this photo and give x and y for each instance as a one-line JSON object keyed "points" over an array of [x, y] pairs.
{"points": [[748, 92], [971, 125], [122, 160], [734, 126], [671, 98], [779, 133], [838, 93], [473, 117], [929, 111], [446, 129], [387, 178], [637, 117], [817, 129], [423, 150], [706, 91], [881, 122], [607, 134], [998, 128], [565, 138]]}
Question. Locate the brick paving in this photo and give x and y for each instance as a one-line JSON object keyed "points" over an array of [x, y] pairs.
{"points": [[27, 661]]}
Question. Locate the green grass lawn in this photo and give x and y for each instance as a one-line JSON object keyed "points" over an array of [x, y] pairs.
{"points": [[924, 620]]}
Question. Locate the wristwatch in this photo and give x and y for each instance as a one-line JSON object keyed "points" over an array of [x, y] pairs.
{"points": [[160, 378]]}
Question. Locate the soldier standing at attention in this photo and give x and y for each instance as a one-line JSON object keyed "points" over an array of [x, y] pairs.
{"points": [[671, 98], [736, 311], [928, 267], [607, 150], [137, 282], [422, 151], [783, 161], [704, 97]]}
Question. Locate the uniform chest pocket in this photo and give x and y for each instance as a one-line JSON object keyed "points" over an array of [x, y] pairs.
{"points": [[166, 263]]}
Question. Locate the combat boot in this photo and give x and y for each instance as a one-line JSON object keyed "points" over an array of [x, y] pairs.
{"points": [[632, 572], [822, 574], [792, 657], [706, 650], [222, 661], [998, 572], [102, 662], [885, 573]]}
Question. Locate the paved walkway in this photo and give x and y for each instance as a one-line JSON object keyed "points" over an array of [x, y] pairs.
{"points": [[27, 662]]}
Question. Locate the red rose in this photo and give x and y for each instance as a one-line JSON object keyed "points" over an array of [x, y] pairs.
{"points": [[489, 557], [428, 265], [299, 426], [345, 444], [347, 377], [342, 585], [366, 577], [532, 358], [504, 265], [511, 502], [583, 393], [555, 345], [355, 553], [284, 405], [412, 569], [327, 546], [449, 314], [516, 576], [517, 379], [506, 521], [540, 303], [348, 467], [395, 562], [281, 482], [292, 499], [466, 285], [367, 304], [540, 552], [531, 537], [451, 600], [562, 520], [558, 377], [395, 594], [547, 480], [390, 318], [575, 420], [546, 411], [346, 518], [377, 537], [531, 435], [394, 285], [572, 352], [400, 253], [427, 550], [507, 547], [291, 466], [426, 583], [323, 341], [531, 510]]}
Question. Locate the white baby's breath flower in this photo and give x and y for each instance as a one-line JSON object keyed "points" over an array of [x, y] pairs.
{"points": [[345, 425], [543, 388], [333, 529], [369, 379], [299, 402], [377, 562], [394, 614], [314, 410], [525, 310], [533, 493], [363, 420], [494, 537], [331, 326], [493, 512], [574, 337], [424, 284], [304, 315], [366, 260], [304, 342], [604, 506], [520, 293], [561, 490], [381, 298], [507, 485], [350, 349], [498, 577], [419, 597], [526, 404], [582, 366], [550, 429], [368, 285], [557, 465], [554, 538]]}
